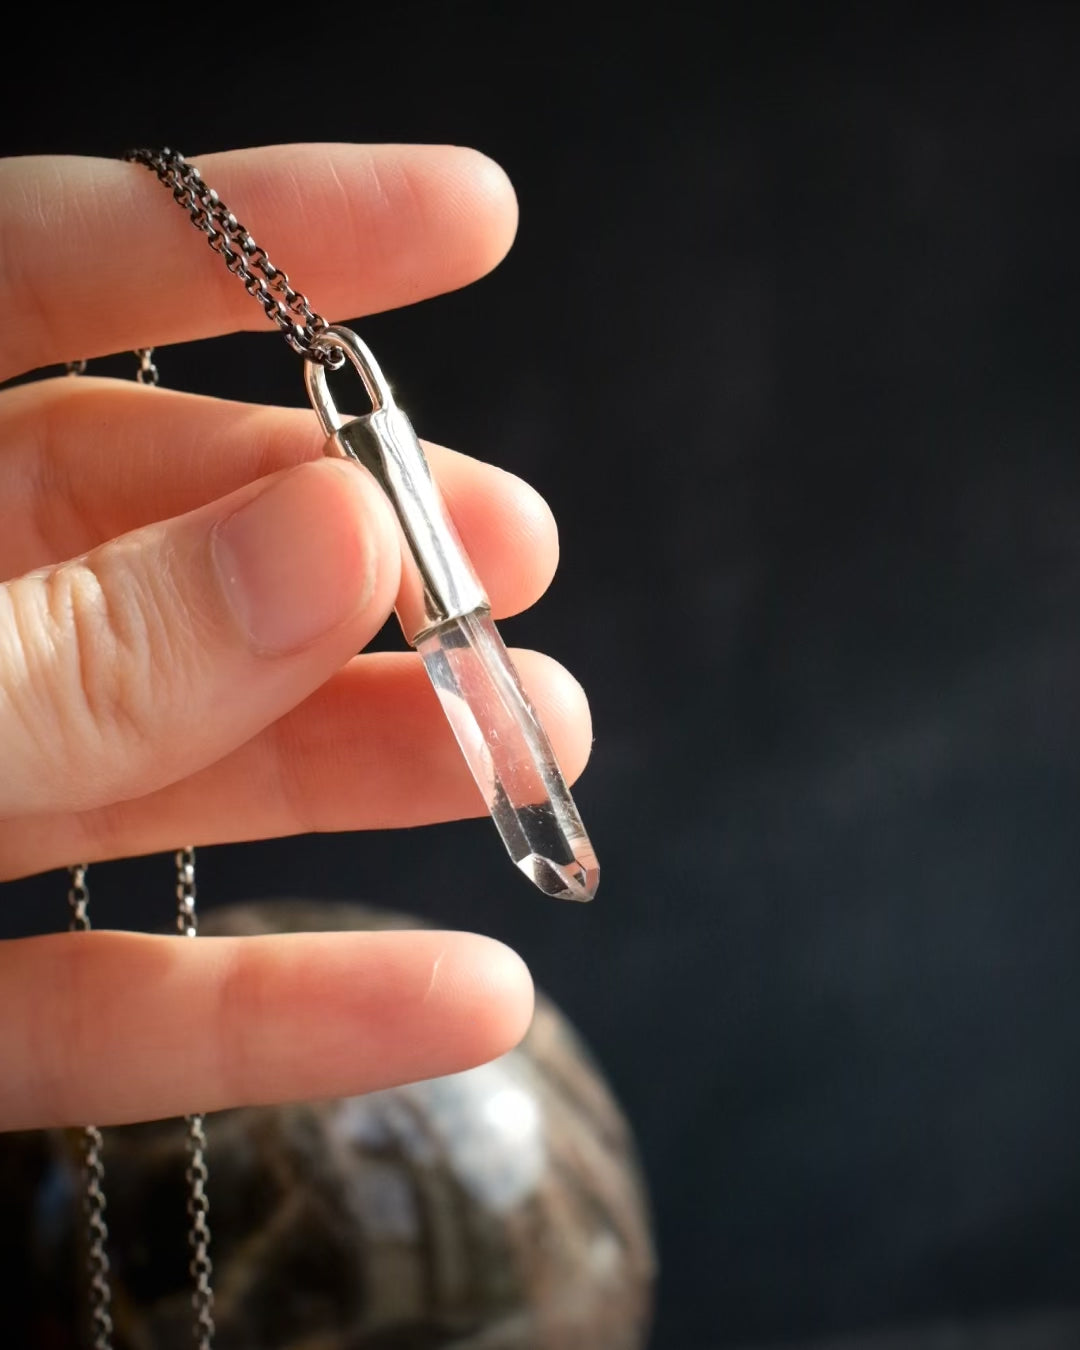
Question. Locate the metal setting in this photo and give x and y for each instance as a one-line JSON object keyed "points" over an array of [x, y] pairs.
{"points": [[438, 581]]}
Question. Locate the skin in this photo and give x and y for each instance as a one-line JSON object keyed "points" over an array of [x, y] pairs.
{"points": [[161, 651]]}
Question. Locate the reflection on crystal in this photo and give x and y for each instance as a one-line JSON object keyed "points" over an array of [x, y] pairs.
{"points": [[510, 756]]}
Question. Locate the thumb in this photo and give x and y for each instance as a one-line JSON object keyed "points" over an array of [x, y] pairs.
{"points": [[161, 651]]}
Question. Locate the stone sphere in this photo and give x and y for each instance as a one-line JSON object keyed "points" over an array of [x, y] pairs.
{"points": [[497, 1209]]}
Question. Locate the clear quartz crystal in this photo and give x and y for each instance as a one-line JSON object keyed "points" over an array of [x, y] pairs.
{"points": [[510, 756]]}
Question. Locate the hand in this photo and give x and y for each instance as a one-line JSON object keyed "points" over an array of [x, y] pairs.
{"points": [[187, 581]]}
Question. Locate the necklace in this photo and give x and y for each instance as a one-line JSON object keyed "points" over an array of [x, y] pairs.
{"points": [[444, 614], [442, 607]]}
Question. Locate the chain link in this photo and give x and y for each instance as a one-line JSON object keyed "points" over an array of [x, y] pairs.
{"points": [[78, 899], [147, 372], [187, 921], [198, 1203], [264, 282], [96, 1232]]}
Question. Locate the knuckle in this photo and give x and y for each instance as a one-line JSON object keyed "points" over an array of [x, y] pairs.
{"points": [[104, 658], [95, 648]]}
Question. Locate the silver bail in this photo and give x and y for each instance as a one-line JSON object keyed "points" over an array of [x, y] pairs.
{"points": [[438, 581]]}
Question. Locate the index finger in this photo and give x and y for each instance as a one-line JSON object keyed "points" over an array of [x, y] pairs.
{"points": [[98, 258]]}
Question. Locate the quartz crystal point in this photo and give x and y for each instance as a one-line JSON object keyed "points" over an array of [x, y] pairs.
{"points": [[510, 756]]}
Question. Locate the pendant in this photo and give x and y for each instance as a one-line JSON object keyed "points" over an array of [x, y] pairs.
{"points": [[445, 614]]}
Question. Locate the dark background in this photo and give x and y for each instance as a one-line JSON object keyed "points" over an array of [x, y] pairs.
{"points": [[789, 340]]}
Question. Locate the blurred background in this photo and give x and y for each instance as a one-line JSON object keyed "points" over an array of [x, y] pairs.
{"points": [[788, 340]]}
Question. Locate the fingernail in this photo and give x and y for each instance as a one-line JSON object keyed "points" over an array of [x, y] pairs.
{"points": [[292, 561]]}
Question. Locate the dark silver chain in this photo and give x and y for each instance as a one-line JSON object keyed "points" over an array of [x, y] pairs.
{"points": [[187, 921], [198, 1203], [78, 899], [198, 1208], [284, 306], [96, 1231], [147, 372], [196, 1173], [99, 1291]]}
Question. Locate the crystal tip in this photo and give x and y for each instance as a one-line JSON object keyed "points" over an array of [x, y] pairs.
{"points": [[575, 880]]}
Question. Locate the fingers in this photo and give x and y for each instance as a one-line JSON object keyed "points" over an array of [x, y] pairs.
{"points": [[117, 1027], [155, 654], [66, 485], [371, 749], [98, 257]]}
